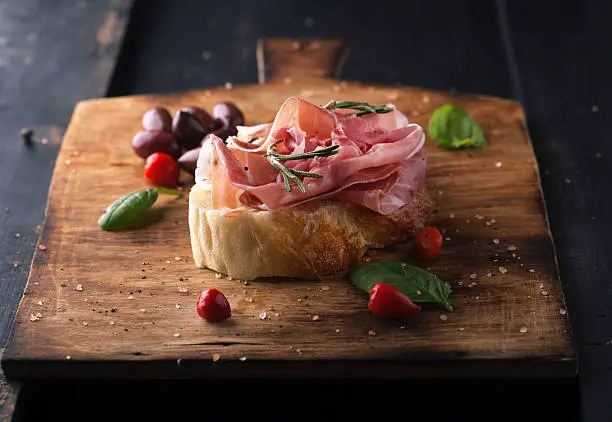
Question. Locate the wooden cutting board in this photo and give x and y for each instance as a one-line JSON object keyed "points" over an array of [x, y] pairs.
{"points": [[135, 314]]}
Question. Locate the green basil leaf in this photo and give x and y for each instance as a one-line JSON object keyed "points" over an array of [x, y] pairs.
{"points": [[419, 285], [121, 213], [453, 128]]}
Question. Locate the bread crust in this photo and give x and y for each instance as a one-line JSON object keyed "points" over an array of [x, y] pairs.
{"points": [[307, 241]]}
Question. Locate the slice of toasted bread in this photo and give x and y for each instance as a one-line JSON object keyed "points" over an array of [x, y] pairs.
{"points": [[306, 241]]}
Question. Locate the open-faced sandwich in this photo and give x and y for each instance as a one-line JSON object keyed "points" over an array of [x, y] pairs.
{"points": [[308, 194]]}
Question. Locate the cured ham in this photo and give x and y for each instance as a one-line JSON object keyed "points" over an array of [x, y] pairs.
{"points": [[380, 161]]}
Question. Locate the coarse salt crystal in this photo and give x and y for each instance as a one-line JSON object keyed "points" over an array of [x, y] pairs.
{"points": [[461, 329], [216, 357], [489, 274], [112, 323], [337, 330], [479, 217], [242, 359], [34, 317], [498, 164], [325, 288], [79, 288], [248, 299], [316, 318], [503, 270], [474, 275], [85, 323], [263, 315], [129, 297], [531, 270], [218, 276], [143, 310], [36, 283], [177, 306], [372, 333], [562, 311], [523, 330], [443, 317], [496, 241], [40, 302], [544, 293], [460, 283], [511, 248], [182, 289], [178, 258], [176, 335]]}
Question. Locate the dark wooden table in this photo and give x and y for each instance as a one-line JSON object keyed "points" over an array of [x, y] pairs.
{"points": [[552, 56]]}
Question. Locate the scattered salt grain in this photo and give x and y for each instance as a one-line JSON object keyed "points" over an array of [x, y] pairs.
{"points": [[177, 306], [40, 302], [425, 99], [248, 299], [503, 270], [34, 317], [325, 288], [472, 276], [263, 315], [143, 310], [489, 274], [531, 270], [419, 293], [229, 85], [316, 318], [218, 276], [511, 248], [216, 357], [523, 330], [447, 238], [176, 335], [79, 288], [112, 323], [178, 258], [42, 247], [68, 357], [182, 289], [496, 241], [242, 359], [85, 324], [372, 333], [17, 235], [544, 293], [337, 330], [451, 215], [562, 311], [498, 164], [443, 317]]}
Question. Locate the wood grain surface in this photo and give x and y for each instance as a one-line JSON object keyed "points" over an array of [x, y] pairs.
{"points": [[135, 314], [52, 55]]}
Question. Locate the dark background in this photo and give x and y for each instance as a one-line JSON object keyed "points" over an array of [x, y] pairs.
{"points": [[553, 56]]}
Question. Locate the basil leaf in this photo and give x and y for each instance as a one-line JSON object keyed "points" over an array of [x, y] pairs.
{"points": [[406, 278], [124, 210], [453, 128]]}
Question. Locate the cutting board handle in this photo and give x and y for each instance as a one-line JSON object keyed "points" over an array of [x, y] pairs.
{"points": [[299, 59]]}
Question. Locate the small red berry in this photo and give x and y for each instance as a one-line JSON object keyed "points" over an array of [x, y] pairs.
{"points": [[428, 243], [213, 306], [162, 169]]}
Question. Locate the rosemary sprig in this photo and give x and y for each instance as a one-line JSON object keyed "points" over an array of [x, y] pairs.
{"points": [[275, 159], [363, 107]]}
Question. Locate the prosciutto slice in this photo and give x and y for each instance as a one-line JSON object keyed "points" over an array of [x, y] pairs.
{"points": [[380, 161]]}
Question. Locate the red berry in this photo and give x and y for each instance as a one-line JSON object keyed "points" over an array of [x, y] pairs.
{"points": [[388, 302], [162, 169], [428, 244], [213, 306]]}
